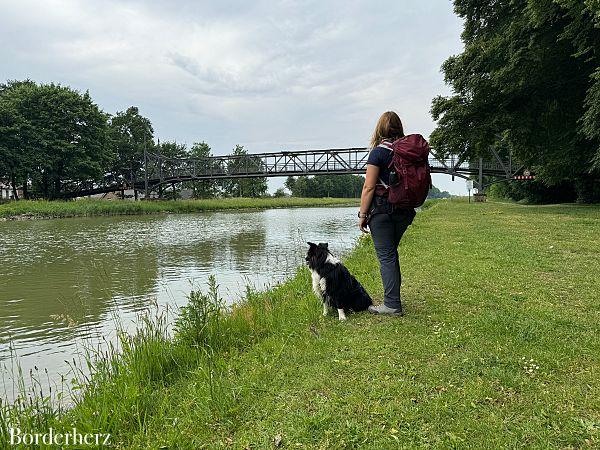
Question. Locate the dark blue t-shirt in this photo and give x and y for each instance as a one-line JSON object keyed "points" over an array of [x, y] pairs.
{"points": [[381, 157]]}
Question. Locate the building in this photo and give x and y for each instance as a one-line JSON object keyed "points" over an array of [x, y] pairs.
{"points": [[6, 192]]}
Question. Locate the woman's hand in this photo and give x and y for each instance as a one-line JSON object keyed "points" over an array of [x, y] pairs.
{"points": [[363, 224]]}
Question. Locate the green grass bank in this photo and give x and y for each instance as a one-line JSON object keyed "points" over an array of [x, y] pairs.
{"points": [[32, 209], [499, 349]]}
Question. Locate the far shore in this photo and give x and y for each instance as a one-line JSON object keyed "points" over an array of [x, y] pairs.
{"points": [[41, 209]]}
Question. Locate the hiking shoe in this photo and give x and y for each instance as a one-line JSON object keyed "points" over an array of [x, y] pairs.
{"points": [[382, 309]]}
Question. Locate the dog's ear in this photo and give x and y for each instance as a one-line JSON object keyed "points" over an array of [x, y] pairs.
{"points": [[324, 245], [312, 244]]}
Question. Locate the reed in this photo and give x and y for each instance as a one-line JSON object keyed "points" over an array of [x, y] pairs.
{"points": [[128, 386]]}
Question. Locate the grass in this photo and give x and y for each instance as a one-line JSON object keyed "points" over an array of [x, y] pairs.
{"points": [[26, 209], [499, 348]]}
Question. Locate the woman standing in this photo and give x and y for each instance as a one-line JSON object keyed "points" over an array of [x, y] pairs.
{"points": [[386, 222]]}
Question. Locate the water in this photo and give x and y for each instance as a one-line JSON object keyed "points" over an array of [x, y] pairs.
{"points": [[64, 282]]}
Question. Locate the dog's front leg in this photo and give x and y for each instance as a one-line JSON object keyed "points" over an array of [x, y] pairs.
{"points": [[341, 314], [325, 309]]}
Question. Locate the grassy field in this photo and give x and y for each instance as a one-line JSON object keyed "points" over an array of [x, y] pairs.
{"points": [[499, 348], [26, 209]]}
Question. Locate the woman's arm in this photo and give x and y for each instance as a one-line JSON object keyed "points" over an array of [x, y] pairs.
{"points": [[366, 197]]}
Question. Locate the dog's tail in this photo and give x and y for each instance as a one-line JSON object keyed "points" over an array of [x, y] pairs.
{"points": [[361, 298]]}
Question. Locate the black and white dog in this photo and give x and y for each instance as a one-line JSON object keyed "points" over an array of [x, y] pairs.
{"points": [[333, 283]]}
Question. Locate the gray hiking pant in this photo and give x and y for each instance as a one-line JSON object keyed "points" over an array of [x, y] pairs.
{"points": [[387, 230]]}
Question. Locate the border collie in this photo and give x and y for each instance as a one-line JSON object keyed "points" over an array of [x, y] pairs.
{"points": [[333, 283]]}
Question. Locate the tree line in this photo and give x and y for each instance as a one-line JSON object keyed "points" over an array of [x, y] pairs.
{"points": [[527, 83], [340, 186], [54, 140]]}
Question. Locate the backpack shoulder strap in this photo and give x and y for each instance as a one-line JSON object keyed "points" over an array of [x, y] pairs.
{"points": [[387, 145]]}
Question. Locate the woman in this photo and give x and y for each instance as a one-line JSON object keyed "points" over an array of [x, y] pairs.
{"points": [[386, 223]]}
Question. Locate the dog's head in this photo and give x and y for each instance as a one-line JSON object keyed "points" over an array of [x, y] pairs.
{"points": [[317, 254]]}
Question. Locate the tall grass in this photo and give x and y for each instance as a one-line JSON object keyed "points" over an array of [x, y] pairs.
{"points": [[32, 408], [115, 390], [130, 384], [85, 208]]}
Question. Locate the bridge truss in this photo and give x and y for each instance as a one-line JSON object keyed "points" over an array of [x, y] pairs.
{"points": [[160, 170]]}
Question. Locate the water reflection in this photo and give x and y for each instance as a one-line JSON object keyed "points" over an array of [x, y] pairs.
{"points": [[64, 281]]}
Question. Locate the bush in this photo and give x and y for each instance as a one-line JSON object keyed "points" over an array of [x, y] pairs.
{"points": [[199, 322], [534, 192]]}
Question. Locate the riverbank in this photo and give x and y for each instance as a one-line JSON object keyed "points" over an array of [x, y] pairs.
{"points": [[39, 209], [499, 348]]}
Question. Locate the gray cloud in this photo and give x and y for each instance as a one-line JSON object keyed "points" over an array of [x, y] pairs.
{"points": [[268, 75]]}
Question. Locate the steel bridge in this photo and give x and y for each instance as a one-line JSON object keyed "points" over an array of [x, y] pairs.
{"points": [[160, 170]]}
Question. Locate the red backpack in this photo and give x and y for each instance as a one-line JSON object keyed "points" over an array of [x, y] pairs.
{"points": [[410, 176]]}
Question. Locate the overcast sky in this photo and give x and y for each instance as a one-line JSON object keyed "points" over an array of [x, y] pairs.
{"points": [[268, 75]]}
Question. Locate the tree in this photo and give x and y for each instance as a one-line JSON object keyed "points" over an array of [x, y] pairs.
{"points": [[242, 164], [204, 188], [290, 184], [279, 193], [74, 133], [174, 155], [297, 186], [130, 134], [53, 136], [437, 193], [525, 79], [15, 158], [585, 34]]}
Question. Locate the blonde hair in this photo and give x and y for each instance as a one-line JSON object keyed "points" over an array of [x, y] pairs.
{"points": [[389, 127]]}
